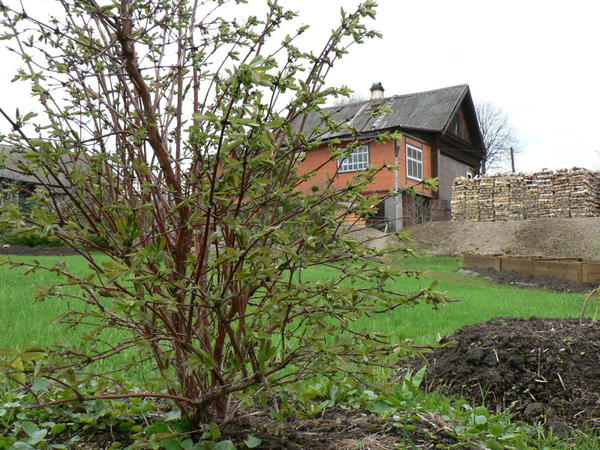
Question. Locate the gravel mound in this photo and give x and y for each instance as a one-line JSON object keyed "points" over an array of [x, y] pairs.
{"points": [[545, 370]]}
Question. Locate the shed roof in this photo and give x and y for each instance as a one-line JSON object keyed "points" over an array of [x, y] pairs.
{"points": [[426, 111]]}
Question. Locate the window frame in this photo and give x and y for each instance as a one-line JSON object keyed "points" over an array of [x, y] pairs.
{"points": [[456, 125], [416, 161], [353, 163]]}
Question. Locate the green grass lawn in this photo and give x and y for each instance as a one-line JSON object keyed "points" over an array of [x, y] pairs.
{"points": [[478, 299], [24, 321]]}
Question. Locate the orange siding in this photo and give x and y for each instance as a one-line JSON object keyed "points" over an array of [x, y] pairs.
{"points": [[379, 155]]}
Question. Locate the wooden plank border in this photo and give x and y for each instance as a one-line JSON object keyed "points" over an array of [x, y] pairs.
{"points": [[573, 269]]}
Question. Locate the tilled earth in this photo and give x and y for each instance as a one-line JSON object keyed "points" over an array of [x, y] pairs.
{"points": [[544, 370], [529, 281], [35, 251], [340, 429]]}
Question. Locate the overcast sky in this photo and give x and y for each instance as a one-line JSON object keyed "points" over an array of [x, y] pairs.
{"points": [[536, 59], [539, 60]]}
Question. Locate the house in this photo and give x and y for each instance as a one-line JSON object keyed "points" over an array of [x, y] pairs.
{"points": [[18, 183], [14, 184], [440, 138]]}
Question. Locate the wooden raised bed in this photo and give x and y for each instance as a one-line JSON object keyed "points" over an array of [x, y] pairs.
{"points": [[482, 261], [573, 269]]}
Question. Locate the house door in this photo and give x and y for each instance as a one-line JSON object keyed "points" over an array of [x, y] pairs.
{"points": [[378, 220]]}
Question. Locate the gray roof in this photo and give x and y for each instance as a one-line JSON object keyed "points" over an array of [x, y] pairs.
{"points": [[426, 111], [13, 160]]}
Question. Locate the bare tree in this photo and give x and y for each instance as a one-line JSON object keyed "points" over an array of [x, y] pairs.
{"points": [[499, 136]]}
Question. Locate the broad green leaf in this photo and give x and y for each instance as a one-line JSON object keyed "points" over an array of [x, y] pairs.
{"points": [[58, 428], [40, 384], [35, 433], [252, 441], [224, 445], [480, 420], [173, 415], [22, 445], [382, 407]]}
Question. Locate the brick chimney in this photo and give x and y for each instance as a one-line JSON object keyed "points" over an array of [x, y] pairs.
{"points": [[377, 91]]}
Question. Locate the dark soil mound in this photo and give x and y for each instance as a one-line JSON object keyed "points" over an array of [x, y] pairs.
{"points": [[521, 280], [548, 370], [35, 251]]}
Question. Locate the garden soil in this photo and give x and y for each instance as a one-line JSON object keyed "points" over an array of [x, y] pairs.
{"points": [[35, 251], [551, 237], [542, 370], [529, 281], [342, 429]]}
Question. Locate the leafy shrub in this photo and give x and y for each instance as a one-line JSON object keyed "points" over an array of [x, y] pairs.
{"points": [[187, 172], [30, 240]]}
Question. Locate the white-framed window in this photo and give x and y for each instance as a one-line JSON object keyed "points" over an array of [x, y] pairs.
{"points": [[358, 160], [414, 162]]}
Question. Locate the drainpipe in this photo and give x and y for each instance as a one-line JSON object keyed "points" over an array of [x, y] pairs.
{"points": [[398, 222]]}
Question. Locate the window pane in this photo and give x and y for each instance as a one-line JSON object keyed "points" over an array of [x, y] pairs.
{"points": [[414, 162], [358, 160]]}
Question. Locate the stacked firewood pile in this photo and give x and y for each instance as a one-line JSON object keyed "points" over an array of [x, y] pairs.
{"points": [[562, 193]]}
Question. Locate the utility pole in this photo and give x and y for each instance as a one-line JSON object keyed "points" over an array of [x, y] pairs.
{"points": [[512, 160]]}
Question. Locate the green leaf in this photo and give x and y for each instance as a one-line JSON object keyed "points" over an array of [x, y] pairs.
{"points": [[382, 407], [224, 445], [40, 384], [418, 378], [17, 364], [8, 352], [173, 415], [57, 429], [171, 444], [252, 441], [32, 356], [35, 433], [480, 420], [497, 430], [29, 116], [188, 444], [23, 445]]}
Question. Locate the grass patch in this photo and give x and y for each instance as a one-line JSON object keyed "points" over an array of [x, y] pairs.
{"points": [[477, 300], [27, 322]]}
